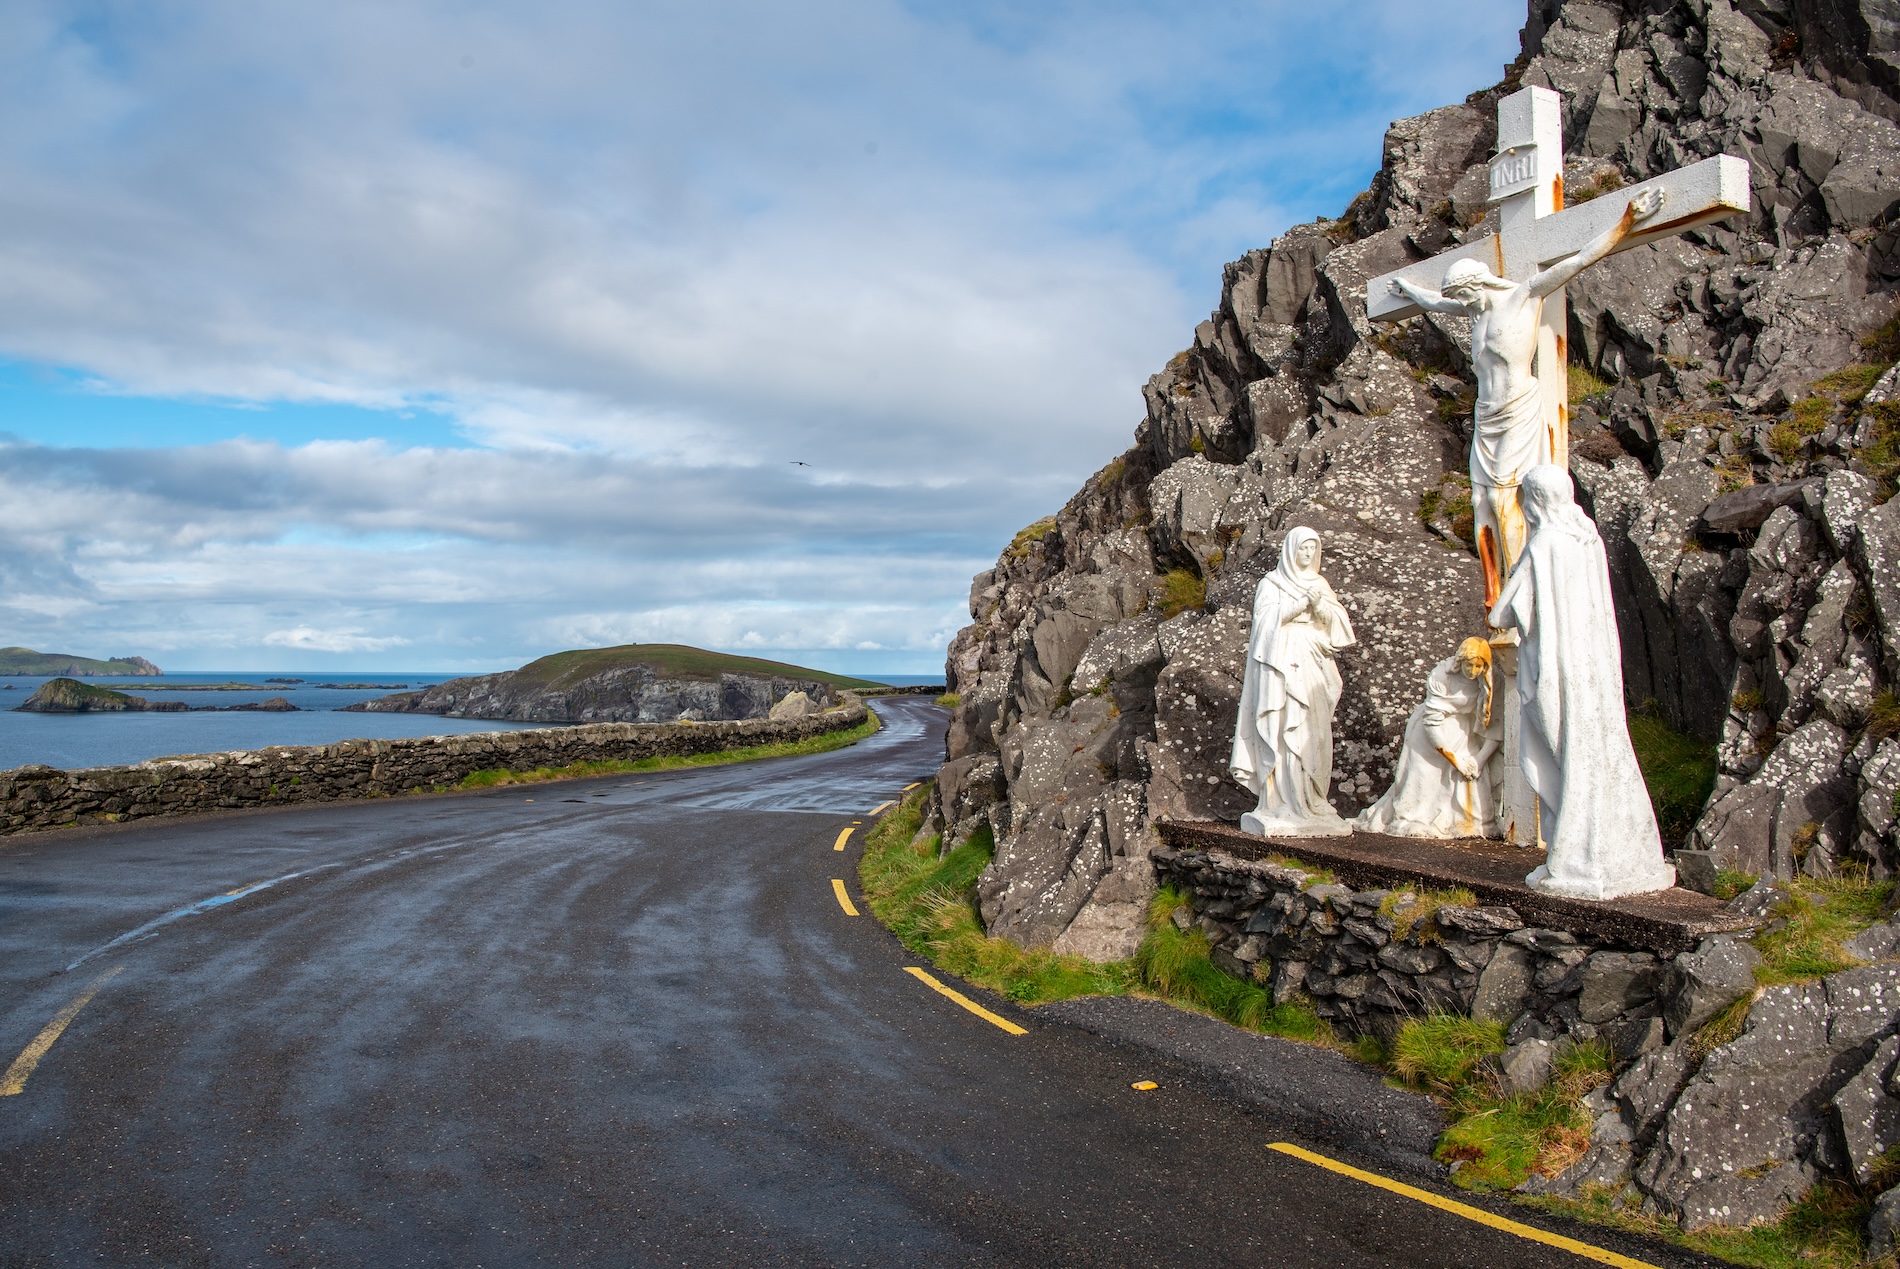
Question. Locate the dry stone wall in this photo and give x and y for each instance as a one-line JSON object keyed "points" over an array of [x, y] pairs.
{"points": [[42, 797]]}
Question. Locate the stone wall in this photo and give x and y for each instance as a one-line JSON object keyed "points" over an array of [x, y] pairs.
{"points": [[41, 797], [1708, 1133]]}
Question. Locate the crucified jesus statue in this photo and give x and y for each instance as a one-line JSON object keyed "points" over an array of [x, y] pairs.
{"points": [[1509, 435]]}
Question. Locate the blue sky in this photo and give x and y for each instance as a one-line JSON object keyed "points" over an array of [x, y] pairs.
{"points": [[444, 335]]}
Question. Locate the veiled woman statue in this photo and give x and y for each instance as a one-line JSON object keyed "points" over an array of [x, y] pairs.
{"points": [[1283, 738], [1593, 808], [1441, 787]]}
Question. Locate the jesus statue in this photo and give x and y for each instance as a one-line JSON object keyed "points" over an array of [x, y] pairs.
{"points": [[1508, 435]]}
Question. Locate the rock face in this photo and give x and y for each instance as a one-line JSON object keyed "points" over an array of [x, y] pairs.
{"points": [[637, 684], [1756, 563], [69, 696]]}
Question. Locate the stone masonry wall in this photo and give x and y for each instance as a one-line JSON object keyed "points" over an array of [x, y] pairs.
{"points": [[40, 797]]}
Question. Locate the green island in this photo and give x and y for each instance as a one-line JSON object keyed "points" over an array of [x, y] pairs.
{"points": [[25, 661]]}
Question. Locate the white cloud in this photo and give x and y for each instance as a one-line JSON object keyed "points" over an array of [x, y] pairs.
{"points": [[307, 639], [645, 258]]}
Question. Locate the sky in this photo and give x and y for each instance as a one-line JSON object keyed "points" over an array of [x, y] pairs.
{"points": [[441, 335]]}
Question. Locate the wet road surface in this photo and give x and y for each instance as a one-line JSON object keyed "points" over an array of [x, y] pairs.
{"points": [[620, 1021]]}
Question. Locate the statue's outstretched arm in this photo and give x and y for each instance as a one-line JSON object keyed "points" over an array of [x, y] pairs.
{"points": [[1429, 300], [1641, 208]]}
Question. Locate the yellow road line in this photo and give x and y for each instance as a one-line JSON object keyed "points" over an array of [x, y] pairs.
{"points": [[965, 1001], [882, 806], [1465, 1210], [842, 838], [844, 900], [15, 1079]]}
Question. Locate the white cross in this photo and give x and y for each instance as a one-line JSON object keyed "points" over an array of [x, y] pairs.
{"points": [[1535, 232]]}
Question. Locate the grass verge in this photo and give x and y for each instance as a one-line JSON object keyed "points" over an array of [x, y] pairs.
{"points": [[824, 742]]}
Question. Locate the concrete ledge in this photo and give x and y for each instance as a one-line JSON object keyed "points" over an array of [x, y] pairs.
{"points": [[1667, 922]]}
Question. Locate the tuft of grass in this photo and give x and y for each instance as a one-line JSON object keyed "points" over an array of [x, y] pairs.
{"points": [[1730, 882], [1181, 589], [1804, 942], [1503, 1140], [825, 742], [1410, 910], [1679, 771], [1175, 964], [1883, 720], [1883, 345], [950, 700], [1027, 537], [1721, 1029], [1850, 384], [1601, 184], [1746, 702], [1314, 876], [1113, 473], [1441, 1051], [1584, 384]]}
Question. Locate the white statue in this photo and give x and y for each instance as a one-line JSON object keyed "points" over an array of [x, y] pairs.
{"points": [[1508, 434], [1442, 787], [1593, 808], [1283, 738]]}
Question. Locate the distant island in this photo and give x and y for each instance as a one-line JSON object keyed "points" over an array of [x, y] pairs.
{"points": [[632, 683], [70, 696], [27, 661]]}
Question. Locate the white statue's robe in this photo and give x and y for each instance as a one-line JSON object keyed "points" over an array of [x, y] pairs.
{"points": [[1429, 797], [1597, 823], [1283, 736]]}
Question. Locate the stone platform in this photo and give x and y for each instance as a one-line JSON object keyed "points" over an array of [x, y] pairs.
{"points": [[1666, 922]]}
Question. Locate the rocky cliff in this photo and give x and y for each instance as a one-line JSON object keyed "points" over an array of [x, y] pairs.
{"points": [[1737, 436], [635, 683]]}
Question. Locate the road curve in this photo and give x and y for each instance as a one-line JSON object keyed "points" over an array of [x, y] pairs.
{"points": [[621, 1021]]}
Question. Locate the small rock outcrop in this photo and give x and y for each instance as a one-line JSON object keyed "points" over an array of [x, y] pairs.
{"points": [[70, 696], [1737, 458]]}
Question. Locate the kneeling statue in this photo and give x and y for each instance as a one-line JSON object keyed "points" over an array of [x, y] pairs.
{"points": [[1442, 787]]}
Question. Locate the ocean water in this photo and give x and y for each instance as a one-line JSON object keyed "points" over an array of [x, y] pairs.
{"points": [[101, 740]]}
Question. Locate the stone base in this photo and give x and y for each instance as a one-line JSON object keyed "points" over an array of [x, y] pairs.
{"points": [[1664, 921], [1252, 824]]}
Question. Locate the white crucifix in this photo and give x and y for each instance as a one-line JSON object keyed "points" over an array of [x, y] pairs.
{"points": [[1511, 286]]}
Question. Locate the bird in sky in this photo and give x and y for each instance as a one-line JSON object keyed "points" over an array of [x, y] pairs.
{"points": [[796, 463]]}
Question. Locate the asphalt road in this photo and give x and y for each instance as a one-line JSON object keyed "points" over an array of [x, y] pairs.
{"points": [[621, 1021]]}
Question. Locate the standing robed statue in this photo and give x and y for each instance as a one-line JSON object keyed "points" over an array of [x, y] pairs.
{"points": [[1596, 821], [1283, 737]]}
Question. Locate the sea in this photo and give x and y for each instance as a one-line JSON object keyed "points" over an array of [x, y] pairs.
{"points": [[72, 741]]}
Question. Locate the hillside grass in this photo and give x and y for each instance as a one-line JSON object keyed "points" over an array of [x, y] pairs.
{"points": [[1679, 771], [824, 742], [669, 660]]}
